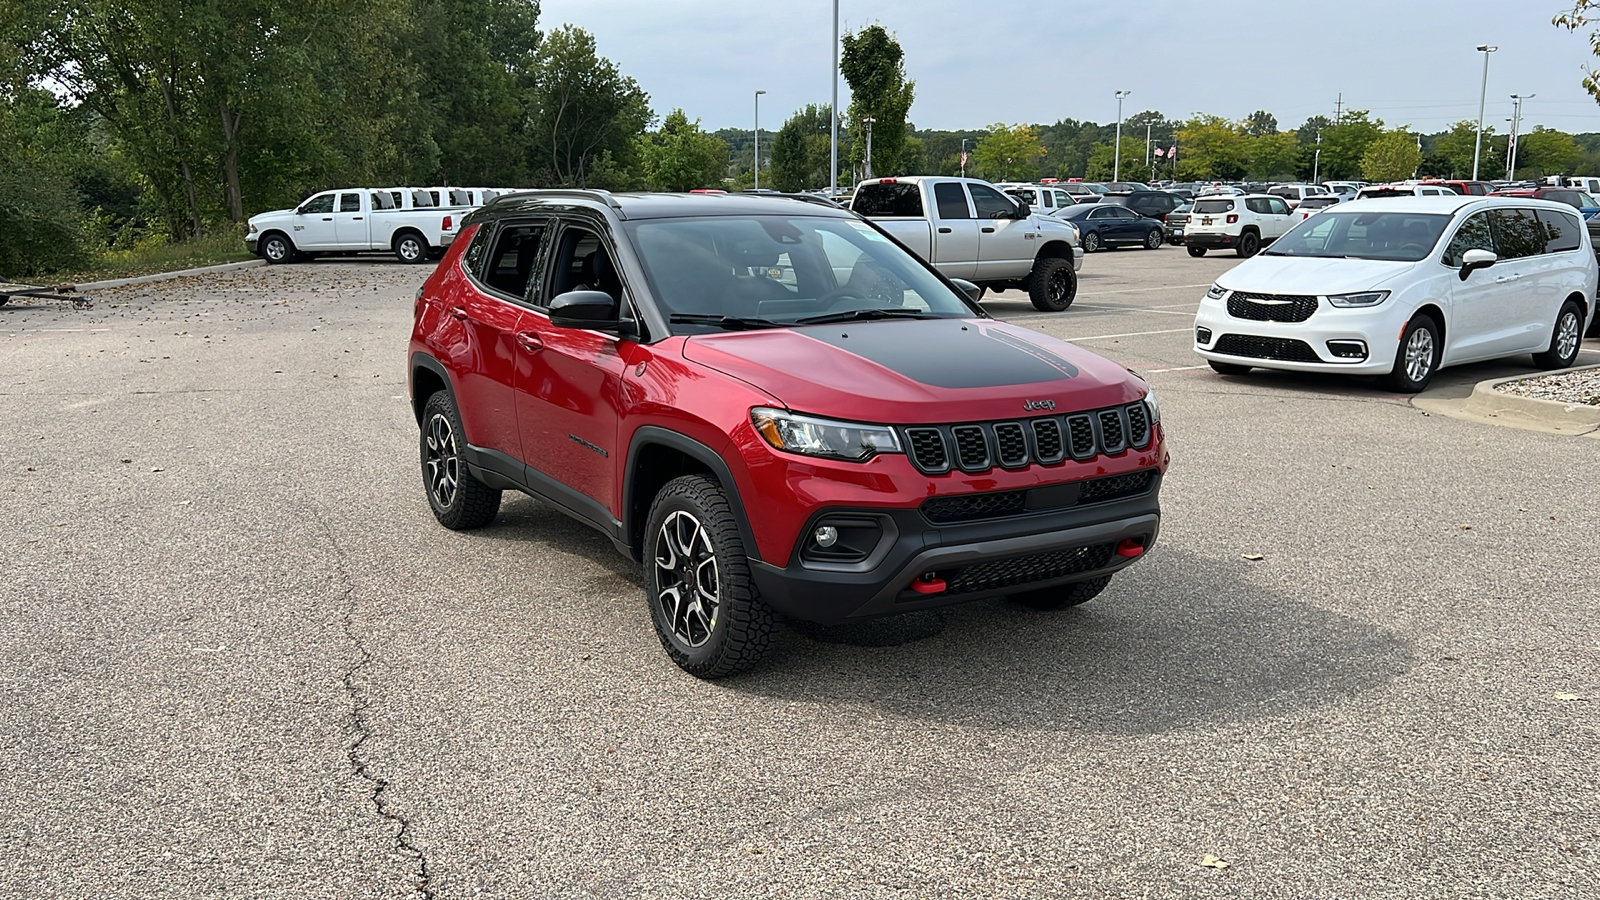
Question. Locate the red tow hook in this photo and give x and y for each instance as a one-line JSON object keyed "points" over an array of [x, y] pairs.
{"points": [[1130, 547], [928, 583]]}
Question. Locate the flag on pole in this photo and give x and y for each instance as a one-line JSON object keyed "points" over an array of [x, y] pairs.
{"points": [[963, 157], [1160, 152]]}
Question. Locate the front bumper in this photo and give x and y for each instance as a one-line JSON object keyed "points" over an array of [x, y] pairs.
{"points": [[1077, 259], [1377, 327], [975, 559]]}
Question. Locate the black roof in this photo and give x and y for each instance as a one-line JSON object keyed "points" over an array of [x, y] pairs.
{"points": [[641, 205]]}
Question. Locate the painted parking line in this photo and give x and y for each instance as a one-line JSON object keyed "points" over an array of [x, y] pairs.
{"points": [[1134, 309], [1165, 287], [1104, 337], [1178, 369]]}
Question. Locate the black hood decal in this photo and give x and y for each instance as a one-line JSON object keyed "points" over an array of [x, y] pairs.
{"points": [[948, 353]]}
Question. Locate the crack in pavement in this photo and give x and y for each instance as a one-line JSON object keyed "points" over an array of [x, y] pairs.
{"points": [[358, 717]]}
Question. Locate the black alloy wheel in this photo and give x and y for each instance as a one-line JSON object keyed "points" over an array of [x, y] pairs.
{"points": [[1249, 244], [1196, 251], [1053, 285], [459, 501]]}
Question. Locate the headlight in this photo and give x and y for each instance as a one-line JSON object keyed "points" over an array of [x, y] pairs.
{"points": [[1365, 298], [1216, 292], [810, 436], [1155, 408], [252, 229]]}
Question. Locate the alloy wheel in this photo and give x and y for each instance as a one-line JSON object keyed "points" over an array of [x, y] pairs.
{"points": [[410, 249], [443, 462], [686, 579], [1567, 335], [1419, 355], [275, 250]]}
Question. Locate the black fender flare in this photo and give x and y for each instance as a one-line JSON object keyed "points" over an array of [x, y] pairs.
{"points": [[648, 435], [421, 360]]}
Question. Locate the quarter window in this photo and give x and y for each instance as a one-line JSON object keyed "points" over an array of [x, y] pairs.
{"points": [[1561, 231]]}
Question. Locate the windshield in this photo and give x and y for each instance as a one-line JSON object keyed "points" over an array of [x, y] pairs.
{"points": [[1403, 237], [767, 271]]}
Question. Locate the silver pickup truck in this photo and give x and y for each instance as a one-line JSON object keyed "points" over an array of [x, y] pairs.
{"points": [[968, 229]]}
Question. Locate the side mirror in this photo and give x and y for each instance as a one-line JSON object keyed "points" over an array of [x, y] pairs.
{"points": [[1476, 259], [1023, 209], [596, 310], [972, 291]]}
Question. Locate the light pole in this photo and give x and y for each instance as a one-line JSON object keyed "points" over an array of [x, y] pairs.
{"points": [[758, 138], [866, 169], [1116, 161], [833, 143], [1483, 95], [1147, 144], [964, 157], [1516, 120]]}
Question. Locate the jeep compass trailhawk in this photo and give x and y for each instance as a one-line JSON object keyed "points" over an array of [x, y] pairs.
{"points": [[774, 408]]}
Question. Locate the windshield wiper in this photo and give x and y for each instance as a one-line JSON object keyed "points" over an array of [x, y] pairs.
{"points": [[731, 323], [876, 312]]}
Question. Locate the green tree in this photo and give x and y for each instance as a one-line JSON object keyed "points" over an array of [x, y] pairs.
{"points": [[1009, 154], [583, 107], [1344, 146], [874, 66], [1543, 152], [1133, 166], [801, 149], [1272, 156], [1392, 156], [1260, 123], [1452, 151], [681, 157], [1210, 147]]}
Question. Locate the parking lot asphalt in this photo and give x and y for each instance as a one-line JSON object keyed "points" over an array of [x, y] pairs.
{"points": [[239, 658]]}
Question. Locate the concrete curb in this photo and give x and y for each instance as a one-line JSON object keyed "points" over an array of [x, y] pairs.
{"points": [[164, 276], [1567, 418]]}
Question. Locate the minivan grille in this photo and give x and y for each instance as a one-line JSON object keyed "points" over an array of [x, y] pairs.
{"points": [[980, 446], [1265, 348], [1271, 307]]}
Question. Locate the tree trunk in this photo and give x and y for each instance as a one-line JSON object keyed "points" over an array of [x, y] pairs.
{"points": [[195, 224], [230, 162]]}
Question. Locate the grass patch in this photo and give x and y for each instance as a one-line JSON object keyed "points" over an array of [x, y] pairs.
{"points": [[221, 246]]}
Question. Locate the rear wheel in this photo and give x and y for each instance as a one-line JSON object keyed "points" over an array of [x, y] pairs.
{"points": [[1417, 358], [1152, 240], [1196, 251], [1249, 244], [1564, 339], [1053, 284], [1063, 596], [409, 247], [1222, 368], [1091, 242]]}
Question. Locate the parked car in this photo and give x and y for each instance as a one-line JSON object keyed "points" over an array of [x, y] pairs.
{"points": [[1310, 206], [774, 410], [1403, 287], [970, 229], [1404, 189], [1572, 197], [404, 221], [1046, 199], [1344, 190], [1150, 204], [1244, 224], [1111, 225], [1176, 221], [1464, 188], [1114, 186], [1292, 194]]}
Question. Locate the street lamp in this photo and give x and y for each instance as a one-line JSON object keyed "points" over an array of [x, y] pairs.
{"points": [[964, 157], [1116, 162], [758, 138], [1516, 120], [833, 76], [1316, 161], [866, 170], [1483, 95]]}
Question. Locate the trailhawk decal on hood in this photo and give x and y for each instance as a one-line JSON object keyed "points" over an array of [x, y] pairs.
{"points": [[952, 354]]}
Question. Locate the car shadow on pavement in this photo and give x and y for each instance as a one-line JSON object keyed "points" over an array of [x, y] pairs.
{"points": [[1178, 641]]}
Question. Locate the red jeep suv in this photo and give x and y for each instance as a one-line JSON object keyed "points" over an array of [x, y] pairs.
{"points": [[775, 408]]}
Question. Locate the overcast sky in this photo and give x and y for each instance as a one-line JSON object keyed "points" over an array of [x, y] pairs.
{"points": [[977, 62]]}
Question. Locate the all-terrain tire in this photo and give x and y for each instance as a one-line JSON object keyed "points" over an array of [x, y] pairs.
{"points": [[1063, 596], [459, 501], [691, 524], [1053, 284]]}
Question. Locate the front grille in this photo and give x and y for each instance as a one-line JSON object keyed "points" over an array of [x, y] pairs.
{"points": [[1035, 567], [960, 508], [1271, 307], [980, 446], [1256, 347]]}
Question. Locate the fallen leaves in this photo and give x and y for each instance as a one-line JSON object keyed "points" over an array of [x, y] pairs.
{"points": [[1253, 557], [1569, 698], [1213, 862]]}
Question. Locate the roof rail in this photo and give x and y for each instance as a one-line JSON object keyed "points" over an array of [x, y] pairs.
{"points": [[576, 194]]}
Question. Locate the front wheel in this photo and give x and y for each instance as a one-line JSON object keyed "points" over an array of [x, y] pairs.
{"points": [[276, 249], [1417, 358], [1053, 284], [1196, 251], [702, 599], [1152, 241], [411, 248], [1063, 596], [1249, 244], [1564, 339]]}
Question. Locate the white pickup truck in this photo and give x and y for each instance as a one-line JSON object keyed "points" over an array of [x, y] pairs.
{"points": [[968, 229], [411, 223]]}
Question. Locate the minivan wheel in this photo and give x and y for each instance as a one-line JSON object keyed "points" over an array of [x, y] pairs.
{"points": [[1062, 596], [1196, 251], [1249, 243], [1152, 241], [411, 248], [1053, 284], [1417, 358], [703, 602], [1091, 242], [1564, 339], [458, 500]]}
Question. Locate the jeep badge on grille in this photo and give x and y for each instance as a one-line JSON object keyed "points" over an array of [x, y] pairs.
{"points": [[1031, 405]]}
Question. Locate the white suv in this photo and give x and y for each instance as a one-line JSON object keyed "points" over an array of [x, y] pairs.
{"points": [[1244, 223], [1403, 287], [1294, 193]]}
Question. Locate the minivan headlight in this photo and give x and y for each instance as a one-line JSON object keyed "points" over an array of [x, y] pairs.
{"points": [[1365, 298], [1216, 292], [810, 436]]}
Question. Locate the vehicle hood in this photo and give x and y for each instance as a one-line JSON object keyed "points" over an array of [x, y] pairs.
{"points": [[920, 371], [1052, 227], [1310, 275], [270, 214]]}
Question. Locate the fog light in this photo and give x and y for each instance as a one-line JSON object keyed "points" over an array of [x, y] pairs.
{"points": [[825, 536], [1202, 335], [1348, 349]]}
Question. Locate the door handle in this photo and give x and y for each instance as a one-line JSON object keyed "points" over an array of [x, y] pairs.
{"points": [[327, 218], [944, 231], [529, 341], [1505, 279], [459, 313], [987, 230], [355, 218]]}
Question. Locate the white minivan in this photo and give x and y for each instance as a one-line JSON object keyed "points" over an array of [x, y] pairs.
{"points": [[1403, 287]]}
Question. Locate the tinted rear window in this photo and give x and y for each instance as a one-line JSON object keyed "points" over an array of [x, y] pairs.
{"points": [[1213, 206], [951, 198], [1562, 231], [888, 200]]}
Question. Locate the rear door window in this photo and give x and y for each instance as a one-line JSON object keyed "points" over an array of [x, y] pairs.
{"points": [[1561, 231], [349, 203], [892, 199], [951, 198], [1517, 233]]}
